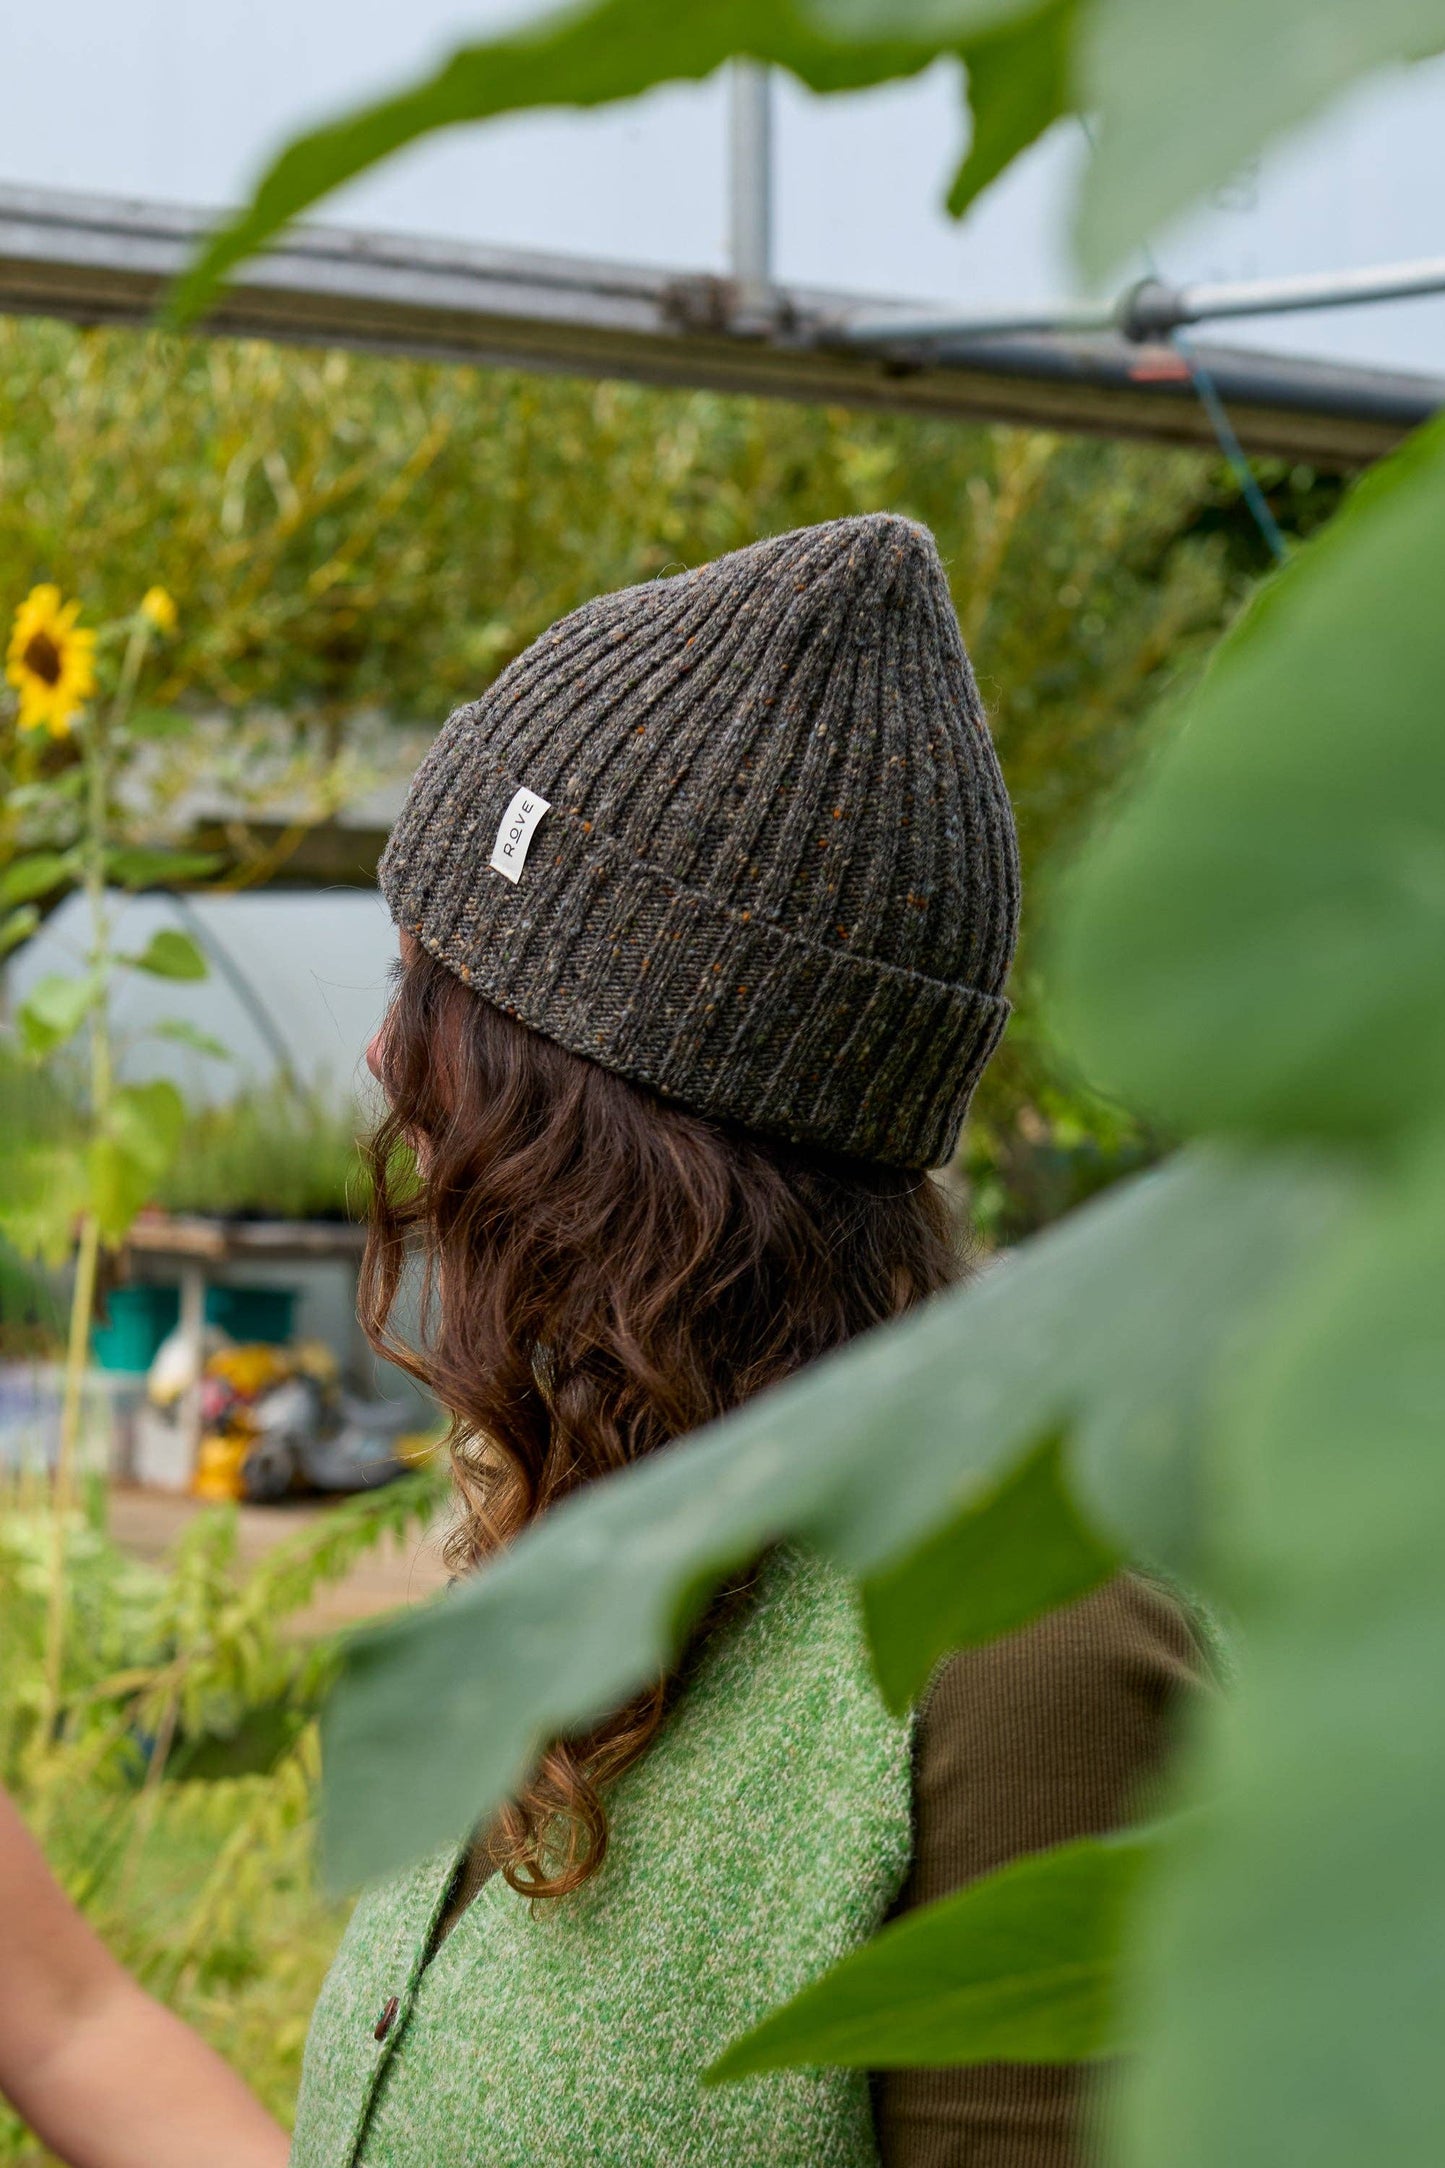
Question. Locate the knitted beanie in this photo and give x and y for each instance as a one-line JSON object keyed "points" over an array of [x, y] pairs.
{"points": [[739, 835]]}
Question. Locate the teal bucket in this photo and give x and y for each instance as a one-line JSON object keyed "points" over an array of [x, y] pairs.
{"points": [[140, 1316], [253, 1313], [138, 1319]]}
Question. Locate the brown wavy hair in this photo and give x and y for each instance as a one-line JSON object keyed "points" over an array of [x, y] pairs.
{"points": [[601, 1271]]}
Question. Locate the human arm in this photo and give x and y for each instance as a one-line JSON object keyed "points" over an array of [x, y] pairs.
{"points": [[1059, 1731], [104, 2074]]}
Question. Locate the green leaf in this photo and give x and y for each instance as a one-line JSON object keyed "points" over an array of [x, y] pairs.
{"points": [[169, 954], [17, 926], [945, 22], [36, 875], [54, 1010], [582, 56], [980, 1574], [1020, 1967], [46, 797], [1293, 1978], [147, 1120], [129, 1159], [160, 723], [1256, 945], [118, 1186], [1186, 94], [134, 867], [1020, 81], [184, 1034], [865, 1457], [42, 1194]]}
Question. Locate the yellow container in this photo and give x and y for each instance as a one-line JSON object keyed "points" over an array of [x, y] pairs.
{"points": [[219, 1462]]}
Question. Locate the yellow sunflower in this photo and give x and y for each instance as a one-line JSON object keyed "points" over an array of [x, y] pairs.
{"points": [[51, 661]]}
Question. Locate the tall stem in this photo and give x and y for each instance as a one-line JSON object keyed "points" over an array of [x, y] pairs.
{"points": [[82, 1304], [98, 741]]}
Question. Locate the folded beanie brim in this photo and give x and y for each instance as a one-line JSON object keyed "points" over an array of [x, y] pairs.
{"points": [[725, 1010]]}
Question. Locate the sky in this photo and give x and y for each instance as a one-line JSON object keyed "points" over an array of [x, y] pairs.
{"points": [[173, 101]]}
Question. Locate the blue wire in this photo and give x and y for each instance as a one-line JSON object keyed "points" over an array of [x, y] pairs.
{"points": [[1232, 449], [1219, 421]]}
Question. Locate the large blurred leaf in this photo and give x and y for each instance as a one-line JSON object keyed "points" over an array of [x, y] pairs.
{"points": [[1020, 81], [586, 56], [43, 1192], [1258, 945], [54, 1010], [867, 1456], [1020, 1967], [983, 1571], [133, 1152], [1296, 1998], [1187, 92]]}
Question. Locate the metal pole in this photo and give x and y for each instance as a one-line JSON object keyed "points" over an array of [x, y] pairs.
{"points": [[1153, 308], [1005, 322], [1268, 297], [750, 189]]}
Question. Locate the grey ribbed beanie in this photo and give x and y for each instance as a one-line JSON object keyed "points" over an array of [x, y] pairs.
{"points": [[776, 878]]}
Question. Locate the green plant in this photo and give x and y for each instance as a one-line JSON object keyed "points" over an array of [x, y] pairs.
{"points": [[1232, 1367], [269, 1153], [175, 1799], [130, 1130]]}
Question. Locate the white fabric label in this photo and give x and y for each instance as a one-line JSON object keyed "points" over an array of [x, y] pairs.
{"points": [[514, 838]]}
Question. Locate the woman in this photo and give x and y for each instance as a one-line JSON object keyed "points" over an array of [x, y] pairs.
{"points": [[108, 2078], [706, 911]]}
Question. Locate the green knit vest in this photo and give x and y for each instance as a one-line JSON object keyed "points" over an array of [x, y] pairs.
{"points": [[762, 1837]]}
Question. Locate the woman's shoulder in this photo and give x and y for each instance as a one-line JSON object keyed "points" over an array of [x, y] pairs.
{"points": [[1131, 1634], [1054, 1731]]}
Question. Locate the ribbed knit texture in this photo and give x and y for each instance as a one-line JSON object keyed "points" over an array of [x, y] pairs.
{"points": [[777, 1792], [779, 880]]}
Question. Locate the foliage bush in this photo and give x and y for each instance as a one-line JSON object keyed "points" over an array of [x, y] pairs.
{"points": [[270, 1153], [177, 1803]]}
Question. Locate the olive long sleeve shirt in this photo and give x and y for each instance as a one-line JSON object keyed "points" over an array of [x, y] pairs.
{"points": [[1058, 1731]]}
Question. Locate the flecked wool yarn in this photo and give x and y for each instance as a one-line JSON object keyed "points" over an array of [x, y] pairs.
{"points": [[777, 879], [575, 2034]]}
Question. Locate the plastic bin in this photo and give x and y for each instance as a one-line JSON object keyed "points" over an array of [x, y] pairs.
{"points": [[253, 1313], [139, 1317]]}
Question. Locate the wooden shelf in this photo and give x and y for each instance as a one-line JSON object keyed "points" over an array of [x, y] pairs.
{"points": [[221, 1241]]}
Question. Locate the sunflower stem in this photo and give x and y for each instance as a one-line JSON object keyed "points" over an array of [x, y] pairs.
{"points": [[82, 1304], [98, 742]]}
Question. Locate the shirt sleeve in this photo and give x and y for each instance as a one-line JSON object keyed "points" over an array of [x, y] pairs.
{"points": [[1058, 1731]]}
